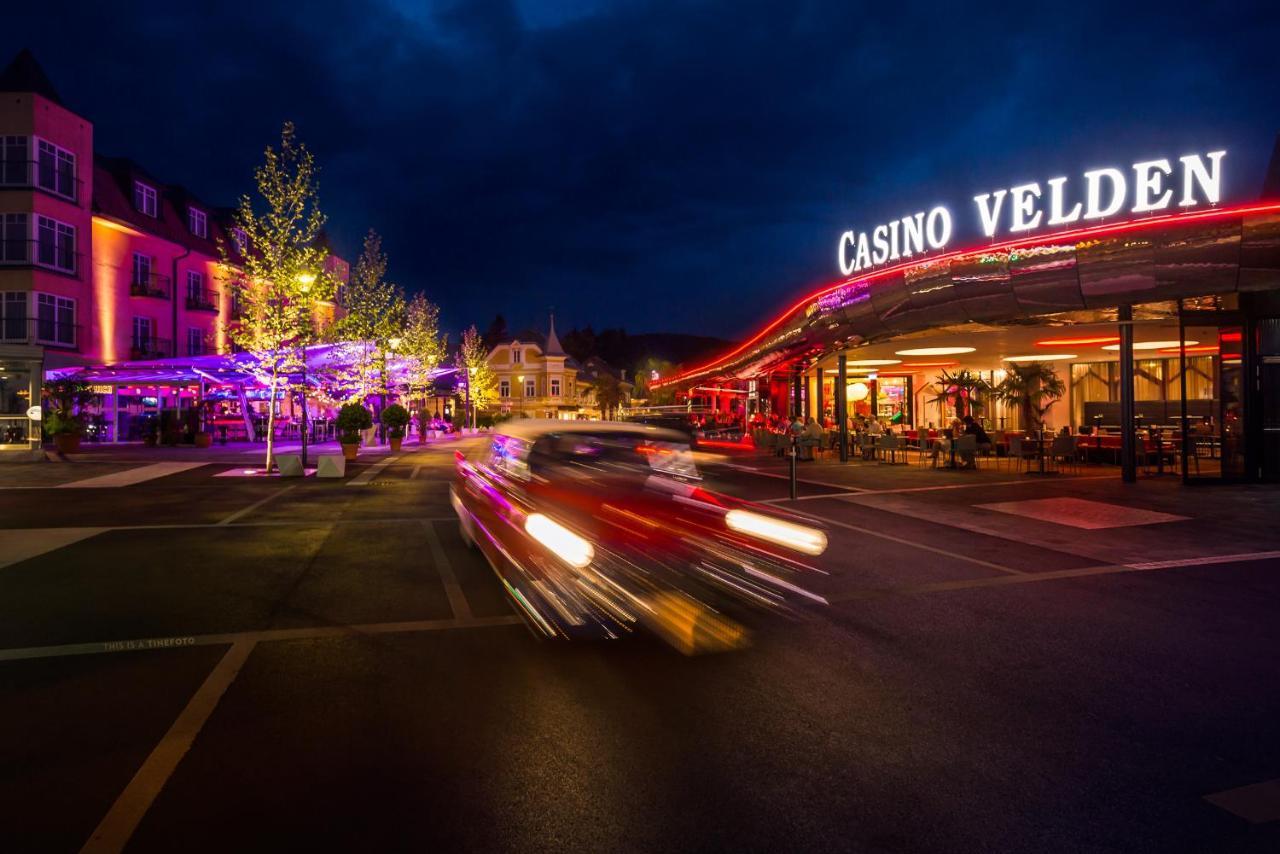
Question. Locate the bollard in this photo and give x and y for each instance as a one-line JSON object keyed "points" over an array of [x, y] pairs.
{"points": [[793, 468]]}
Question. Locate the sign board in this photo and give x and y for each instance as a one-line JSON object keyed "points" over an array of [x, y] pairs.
{"points": [[1153, 186]]}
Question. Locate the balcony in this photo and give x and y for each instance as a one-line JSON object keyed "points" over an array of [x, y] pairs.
{"points": [[202, 300], [39, 253], [32, 330], [149, 348], [37, 175], [151, 285]]}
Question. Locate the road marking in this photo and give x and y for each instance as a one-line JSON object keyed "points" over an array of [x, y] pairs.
{"points": [[954, 555], [116, 828], [458, 602], [413, 475], [853, 490], [840, 486], [1197, 561], [239, 514], [1053, 575], [1081, 513], [263, 636], [1256, 804], [19, 544], [371, 472], [130, 477]]}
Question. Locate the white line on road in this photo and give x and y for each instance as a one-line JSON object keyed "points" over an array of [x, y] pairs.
{"points": [[263, 636], [239, 514], [413, 475], [458, 602], [115, 829], [130, 477], [19, 544], [1197, 561], [762, 473], [371, 472], [950, 553]]}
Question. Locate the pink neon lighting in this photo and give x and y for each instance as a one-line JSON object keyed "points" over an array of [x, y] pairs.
{"points": [[1092, 231]]}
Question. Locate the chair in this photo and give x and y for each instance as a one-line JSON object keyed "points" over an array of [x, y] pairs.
{"points": [[889, 447], [1063, 451], [1020, 452]]}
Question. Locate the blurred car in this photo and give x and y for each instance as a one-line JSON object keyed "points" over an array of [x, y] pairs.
{"points": [[598, 528]]}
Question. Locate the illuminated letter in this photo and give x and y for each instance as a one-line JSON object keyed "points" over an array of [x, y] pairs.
{"points": [[862, 256], [1055, 204], [880, 237], [893, 240], [943, 216], [1193, 171], [913, 235], [1146, 184], [1023, 204], [1095, 209], [846, 266], [989, 213]]}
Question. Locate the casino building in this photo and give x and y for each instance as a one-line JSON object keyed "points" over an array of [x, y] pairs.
{"points": [[1156, 304]]}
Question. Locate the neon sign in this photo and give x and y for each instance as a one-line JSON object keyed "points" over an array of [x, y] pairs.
{"points": [[1027, 207]]}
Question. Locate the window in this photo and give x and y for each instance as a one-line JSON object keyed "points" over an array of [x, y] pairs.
{"points": [[15, 240], [13, 316], [240, 238], [504, 388], [142, 334], [195, 288], [555, 386], [195, 342], [516, 355], [56, 169], [55, 319], [14, 161], [530, 388], [56, 244], [197, 222], [141, 270], [144, 198]]}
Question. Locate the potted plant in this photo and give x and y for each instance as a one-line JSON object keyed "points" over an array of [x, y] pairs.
{"points": [[394, 418], [66, 419], [352, 418], [1031, 388]]}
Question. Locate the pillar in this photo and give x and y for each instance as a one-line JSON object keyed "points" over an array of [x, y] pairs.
{"points": [[842, 404], [817, 396], [797, 384], [1128, 439]]}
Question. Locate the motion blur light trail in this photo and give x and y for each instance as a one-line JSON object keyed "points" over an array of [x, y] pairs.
{"points": [[598, 530]]}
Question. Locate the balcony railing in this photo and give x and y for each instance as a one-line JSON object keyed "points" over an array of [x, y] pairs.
{"points": [[202, 300], [32, 330], [149, 285], [149, 348], [38, 175], [39, 253], [200, 347]]}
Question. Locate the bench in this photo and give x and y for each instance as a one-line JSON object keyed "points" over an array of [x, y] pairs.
{"points": [[331, 465]]}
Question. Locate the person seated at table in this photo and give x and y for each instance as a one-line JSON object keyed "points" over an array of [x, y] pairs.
{"points": [[973, 428], [1065, 432], [810, 438], [874, 427]]}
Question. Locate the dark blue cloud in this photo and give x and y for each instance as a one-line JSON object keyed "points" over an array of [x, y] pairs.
{"points": [[683, 166]]}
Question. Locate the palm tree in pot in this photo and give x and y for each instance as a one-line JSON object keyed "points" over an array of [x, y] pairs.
{"points": [[1031, 388], [66, 419], [963, 390]]}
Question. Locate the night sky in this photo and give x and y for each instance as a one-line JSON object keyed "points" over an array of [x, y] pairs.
{"points": [[663, 166]]}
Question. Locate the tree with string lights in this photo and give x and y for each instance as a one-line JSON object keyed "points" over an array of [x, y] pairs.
{"points": [[481, 383], [276, 268]]}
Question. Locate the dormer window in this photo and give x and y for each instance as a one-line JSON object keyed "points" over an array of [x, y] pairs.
{"points": [[516, 356], [197, 222], [144, 198], [242, 241]]}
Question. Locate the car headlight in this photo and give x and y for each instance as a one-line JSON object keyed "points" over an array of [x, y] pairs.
{"points": [[562, 542], [801, 538]]}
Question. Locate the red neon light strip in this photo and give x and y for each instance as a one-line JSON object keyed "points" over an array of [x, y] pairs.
{"points": [[1202, 349], [1092, 231], [1075, 342]]}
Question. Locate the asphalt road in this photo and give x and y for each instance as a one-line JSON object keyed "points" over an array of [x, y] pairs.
{"points": [[223, 664]]}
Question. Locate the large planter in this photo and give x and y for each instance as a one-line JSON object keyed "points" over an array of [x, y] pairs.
{"points": [[349, 450], [204, 440], [66, 443], [395, 443]]}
